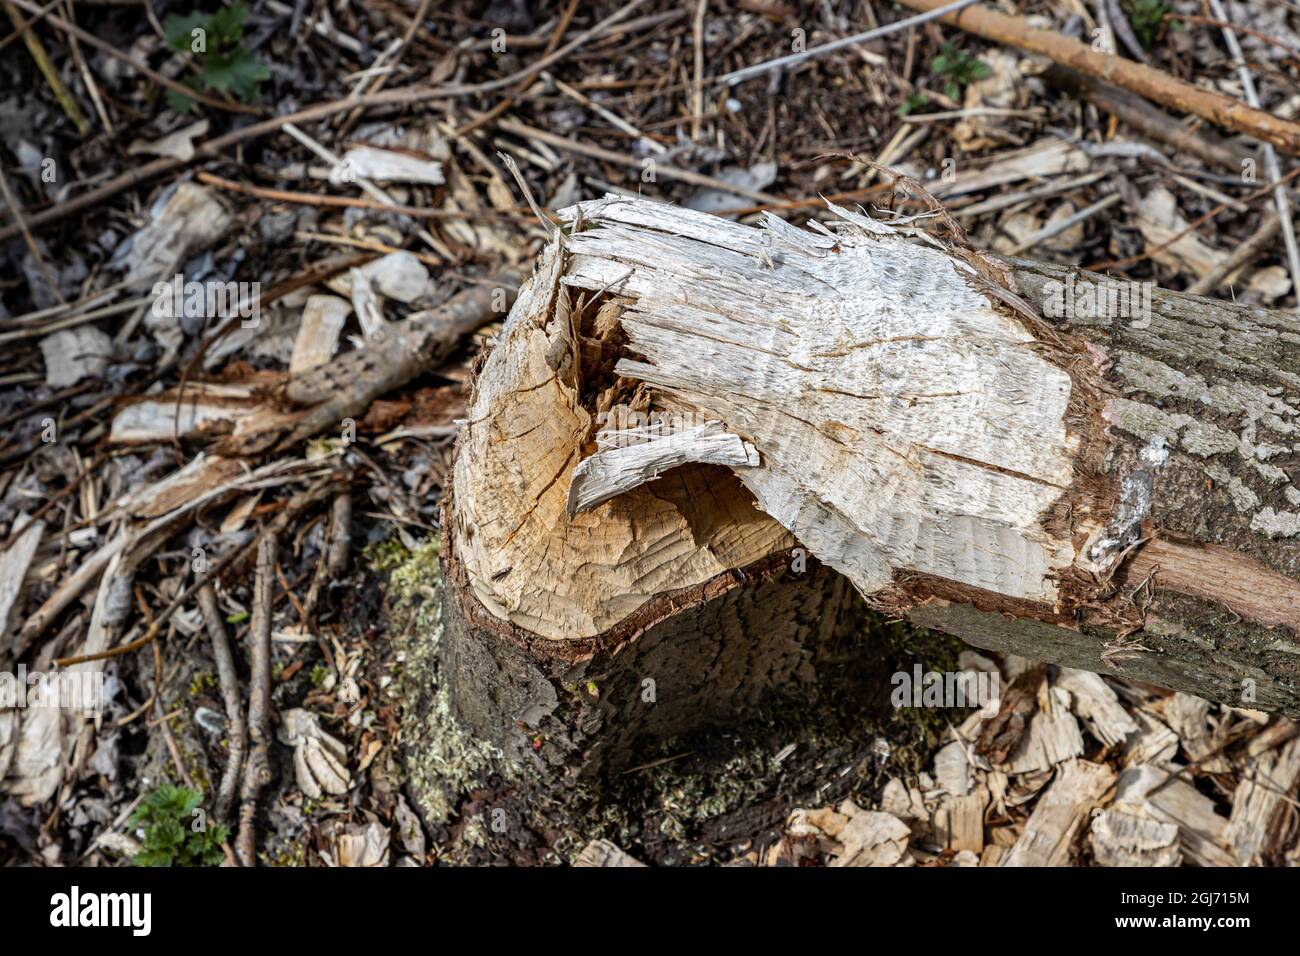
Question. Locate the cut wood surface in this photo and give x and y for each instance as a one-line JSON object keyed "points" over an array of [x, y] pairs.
{"points": [[1112, 494]]}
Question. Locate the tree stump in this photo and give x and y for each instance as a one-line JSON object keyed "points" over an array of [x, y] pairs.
{"points": [[699, 452]]}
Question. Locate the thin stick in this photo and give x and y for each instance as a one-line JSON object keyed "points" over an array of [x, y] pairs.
{"points": [[87, 77], [560, 29], [370, 244], [228, 677], [697, 93], [366, 185], [12, 202], [86, 302], [257, 770], [627, 159], [382, 79], [1224, 24], [27, 24], [36, 331], [613, 118], [37, 50], [52, 501], [164, 721], [348, 202], [1244, 253], [293, 507], [759, 69], [1056, 228]]}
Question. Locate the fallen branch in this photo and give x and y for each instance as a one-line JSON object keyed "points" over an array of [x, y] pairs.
{"points": [[1149, 120], [1151, 83], [1244, 253], [228, 677], [345, 388], [257, 771]]}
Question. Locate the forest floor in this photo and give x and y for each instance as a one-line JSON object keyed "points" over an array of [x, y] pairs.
{"points": [[167, 506]]}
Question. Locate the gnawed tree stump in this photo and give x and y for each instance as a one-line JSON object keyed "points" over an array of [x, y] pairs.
{"points": [[679, 406]]}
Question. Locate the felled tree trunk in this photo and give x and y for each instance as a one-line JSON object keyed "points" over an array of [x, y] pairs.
{"points": [[700, 449]]}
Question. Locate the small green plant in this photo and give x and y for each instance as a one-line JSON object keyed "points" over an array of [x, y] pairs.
{"points": [[912, 103], [1147, 17], [176, 830], [959, 68], [215, 39]]}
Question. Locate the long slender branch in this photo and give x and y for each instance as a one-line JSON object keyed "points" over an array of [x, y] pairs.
{"points": [[1146, 81], [229, 680], [257, 770]]}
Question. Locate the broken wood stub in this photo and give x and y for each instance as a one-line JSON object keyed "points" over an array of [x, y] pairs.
{"points": [[727, 652], [679, 405]]}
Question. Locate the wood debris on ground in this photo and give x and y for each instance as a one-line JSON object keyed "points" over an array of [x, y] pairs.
{"points": [[1109, 801]]}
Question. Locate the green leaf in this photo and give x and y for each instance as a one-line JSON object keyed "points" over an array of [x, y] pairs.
{"points": [[179, 102], [238, 74], [167, 835], [913, 102], [227, 24], [180, 30]]}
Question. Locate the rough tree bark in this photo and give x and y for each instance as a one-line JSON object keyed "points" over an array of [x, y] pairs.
{"points": [[679, 406]]}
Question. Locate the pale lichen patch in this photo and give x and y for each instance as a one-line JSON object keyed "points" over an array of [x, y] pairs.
{"points": [[443, 761], [1276, 524]]}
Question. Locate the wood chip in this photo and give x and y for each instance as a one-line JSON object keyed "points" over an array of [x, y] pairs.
{"points": [[1159, 220], [1053, 737], [604, 853], [1125, 836], [1202, 832], [872, 838], [1098, 705], [385, 166], [190, 221], [14, 562], [398, 275], [1266, 783], [74, 354], [1049, 832], [323, 318], [959, 821]]}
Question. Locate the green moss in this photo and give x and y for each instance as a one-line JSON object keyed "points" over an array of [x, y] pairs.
{"points": [[385, 555], [443, 761], [292, 853], [201, 683]]}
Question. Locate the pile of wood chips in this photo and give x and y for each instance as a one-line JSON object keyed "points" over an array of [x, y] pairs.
{"points": [[1076, 769]]}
